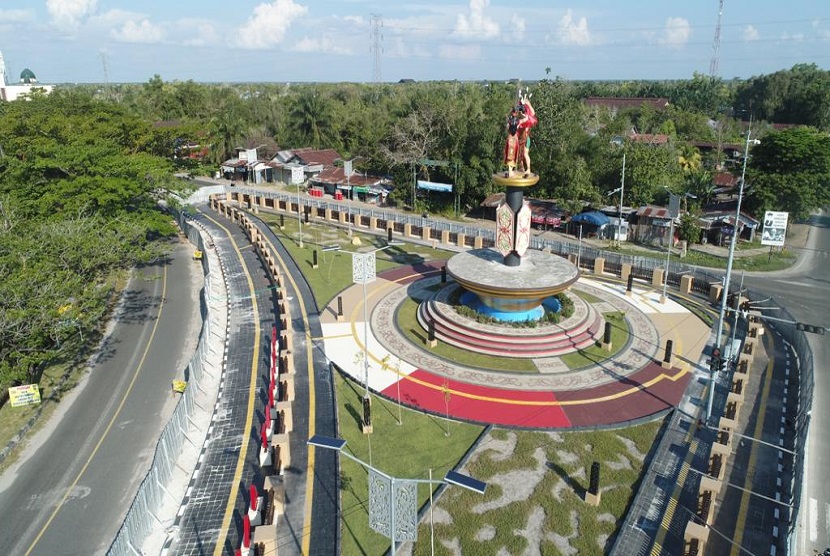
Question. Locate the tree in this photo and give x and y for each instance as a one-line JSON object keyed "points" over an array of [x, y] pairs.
{"points": [[790, 171]]}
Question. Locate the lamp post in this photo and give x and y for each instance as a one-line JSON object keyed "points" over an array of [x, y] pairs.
{"points": [[299, 216], [364, 271], [390, 498], [620, 142], [728, 277], [674, 211]]}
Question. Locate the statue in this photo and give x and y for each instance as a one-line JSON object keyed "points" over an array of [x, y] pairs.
{"points": [[521, 118]]}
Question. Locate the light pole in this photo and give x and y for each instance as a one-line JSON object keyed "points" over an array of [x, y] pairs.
{"points": [[387, 493], [299, 216], [364, 271], [620, 142], [727, 278], [674, 211]]}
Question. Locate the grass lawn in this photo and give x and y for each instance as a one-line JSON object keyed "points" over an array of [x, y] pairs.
{"points": [[534, 503], [405, 451], [334, 271]]}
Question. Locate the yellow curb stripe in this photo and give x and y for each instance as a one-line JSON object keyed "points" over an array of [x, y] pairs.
{"points": [[252, 389]]}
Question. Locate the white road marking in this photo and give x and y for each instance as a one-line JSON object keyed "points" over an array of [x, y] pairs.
{"points": [[813, 518]]}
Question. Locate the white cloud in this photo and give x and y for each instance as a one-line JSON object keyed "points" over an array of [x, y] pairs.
{"points": [[676, 33], [142, 31], [68, 14], [572, 32], [460, 51], [476, 25], [325, 45], [267, 26], [16, 16], [196, 32], [751, 33], [517, 29]]}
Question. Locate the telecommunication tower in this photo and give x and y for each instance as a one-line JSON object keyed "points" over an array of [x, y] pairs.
{"points": [[713, 64], [377, 47]]}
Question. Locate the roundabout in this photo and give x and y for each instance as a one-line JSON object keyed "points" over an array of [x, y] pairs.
{"points": [[605, 391]]}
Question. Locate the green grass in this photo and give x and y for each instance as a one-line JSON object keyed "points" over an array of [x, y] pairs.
{"points": [[553, 470], [412, 330], [760, 262], [620, 332], [405, 451], [334, 271]]}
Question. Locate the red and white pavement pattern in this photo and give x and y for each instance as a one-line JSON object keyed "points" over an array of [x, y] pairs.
{"points": [[633, 385]]}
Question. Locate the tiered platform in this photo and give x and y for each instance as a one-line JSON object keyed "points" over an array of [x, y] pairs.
{"points": [[579, 331]]}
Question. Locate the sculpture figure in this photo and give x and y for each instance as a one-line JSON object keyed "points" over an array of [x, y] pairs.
{"points": [[521, 118]]}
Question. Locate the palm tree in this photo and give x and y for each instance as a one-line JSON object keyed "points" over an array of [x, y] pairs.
{"points": [[311, 116]]}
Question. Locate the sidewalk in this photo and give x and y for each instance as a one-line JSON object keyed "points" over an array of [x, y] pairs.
{"points": [[630, 386]]}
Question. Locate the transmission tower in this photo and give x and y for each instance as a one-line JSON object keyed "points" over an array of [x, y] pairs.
{"points": [[377, 47], [105, 64], [713, 64]]}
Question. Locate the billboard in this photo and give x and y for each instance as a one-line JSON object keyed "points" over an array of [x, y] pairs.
{"points": [[434, 186], [775, 228], [25, 394]]}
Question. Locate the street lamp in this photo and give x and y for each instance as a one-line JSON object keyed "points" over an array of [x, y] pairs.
{"points": [[299, 216], [674, 211], [620, 142], [364, 271], [391, 511], [727, 278]]}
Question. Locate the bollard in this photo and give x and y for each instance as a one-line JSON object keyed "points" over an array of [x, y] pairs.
{"points": [[592, 495], [389, 234], [255, 506], [367, 415], [606, 337], [630, 286], [339, 307], [431, 341], [666, 364], [443, 274], [315, 262], [282, 221]]}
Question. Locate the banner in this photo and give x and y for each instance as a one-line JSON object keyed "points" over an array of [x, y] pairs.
{"points": [[25, 394], [775, 228], [435, 186]]}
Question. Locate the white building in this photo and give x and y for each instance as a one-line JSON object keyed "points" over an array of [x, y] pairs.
{"points": [[28, 83]]}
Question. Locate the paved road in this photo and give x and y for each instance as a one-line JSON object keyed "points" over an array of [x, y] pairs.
{"points": [[805, 291], [68, 493]]}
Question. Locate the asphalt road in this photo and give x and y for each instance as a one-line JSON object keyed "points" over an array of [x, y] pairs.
{"points": [[70, 489], [804, 290]]}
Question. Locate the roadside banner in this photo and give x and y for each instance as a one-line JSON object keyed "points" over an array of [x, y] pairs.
{"points": [[775, 228], [25, 394]]}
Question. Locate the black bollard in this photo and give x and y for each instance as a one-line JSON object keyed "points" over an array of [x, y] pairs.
{"points": [[389, 234], [367, 412], [594, 488], [314, 257], [606, 338], [431, 336], [339, 305], [443, 274], [282, 221], [306, 212], [667, 357], [630, 282]]}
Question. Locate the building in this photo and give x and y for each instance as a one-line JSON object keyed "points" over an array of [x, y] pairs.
{"points": [[27, 85]]}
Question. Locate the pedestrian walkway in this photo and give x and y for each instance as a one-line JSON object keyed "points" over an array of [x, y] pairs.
{"points": [[630, 386]]}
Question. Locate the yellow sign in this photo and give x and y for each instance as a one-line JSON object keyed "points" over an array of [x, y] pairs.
{"points": [[25, 394], [179, 386], [197, 255]]}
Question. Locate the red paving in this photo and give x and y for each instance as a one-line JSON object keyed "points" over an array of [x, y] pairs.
{"points": [[646, 392], [618, 402]]}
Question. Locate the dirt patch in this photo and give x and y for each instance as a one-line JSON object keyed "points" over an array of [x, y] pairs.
{"points": [[621, 463], [517, 485], [632, 448], [486, 533]]}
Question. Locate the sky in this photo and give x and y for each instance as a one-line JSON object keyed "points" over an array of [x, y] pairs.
{"points": [[115, 41]]}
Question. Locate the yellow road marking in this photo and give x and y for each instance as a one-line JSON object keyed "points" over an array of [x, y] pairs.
{"points": [[753, 454], [115, 415], [312, 404], [509, 401], [240, 462], [657, 548]]}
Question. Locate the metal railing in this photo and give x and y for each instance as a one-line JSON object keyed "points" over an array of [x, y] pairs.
{"points": [[143, 515]]}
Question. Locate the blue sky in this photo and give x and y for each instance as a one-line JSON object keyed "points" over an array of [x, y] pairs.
{"points": [[326, 40]]}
